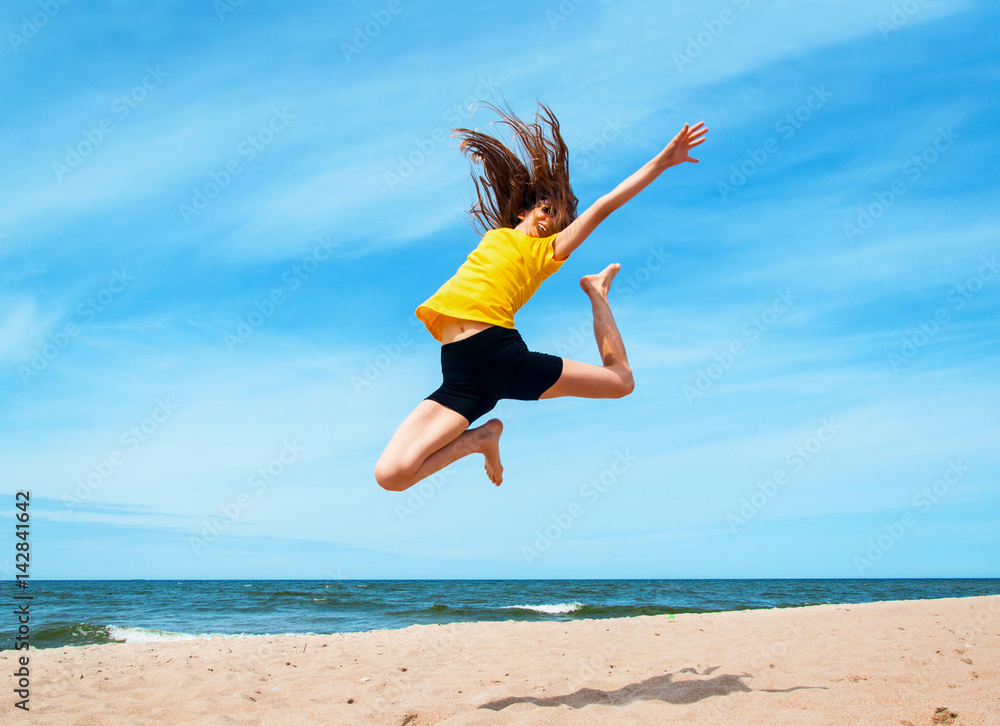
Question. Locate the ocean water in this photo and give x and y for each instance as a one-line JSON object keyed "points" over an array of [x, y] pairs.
{"points": [[86, 612]]}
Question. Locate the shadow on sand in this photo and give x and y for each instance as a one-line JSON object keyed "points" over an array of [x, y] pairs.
{"points": [[657, 688]]}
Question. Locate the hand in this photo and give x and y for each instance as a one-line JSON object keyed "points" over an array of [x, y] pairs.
{"points": [[677, 151]]}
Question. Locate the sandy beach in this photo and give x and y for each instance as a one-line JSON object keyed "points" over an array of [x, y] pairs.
{"points": [[912, 663]]}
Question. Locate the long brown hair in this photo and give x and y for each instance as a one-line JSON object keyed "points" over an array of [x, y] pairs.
{"points": [[508, 185]]}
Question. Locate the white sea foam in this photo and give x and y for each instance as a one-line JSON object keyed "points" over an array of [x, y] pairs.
{"points": [[150, 635], [558, 609], [147, 635]]}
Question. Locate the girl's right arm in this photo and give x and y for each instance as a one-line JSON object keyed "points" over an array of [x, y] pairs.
{"points": [[676, 152]]}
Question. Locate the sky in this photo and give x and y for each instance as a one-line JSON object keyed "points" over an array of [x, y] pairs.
{"points": [[217, 220]]}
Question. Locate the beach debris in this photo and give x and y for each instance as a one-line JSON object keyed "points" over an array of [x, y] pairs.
{"points": [[365, 679], [944, 715], [350, 700]]}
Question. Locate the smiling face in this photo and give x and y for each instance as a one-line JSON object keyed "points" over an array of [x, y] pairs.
{"points": [[537, 222]]}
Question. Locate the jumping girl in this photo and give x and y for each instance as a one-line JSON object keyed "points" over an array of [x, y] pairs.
{"points": [[528, 214]]}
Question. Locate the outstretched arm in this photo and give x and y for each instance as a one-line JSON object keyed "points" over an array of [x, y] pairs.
{"points": [[676, 152]]}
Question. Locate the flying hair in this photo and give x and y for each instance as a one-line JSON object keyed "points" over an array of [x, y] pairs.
{"points": [[510, 184]]}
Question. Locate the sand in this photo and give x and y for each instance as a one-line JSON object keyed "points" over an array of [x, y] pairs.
{"points": [[913, 663]]}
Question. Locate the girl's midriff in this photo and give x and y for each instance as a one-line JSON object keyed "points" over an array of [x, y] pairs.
{"points": [[453, 329]]}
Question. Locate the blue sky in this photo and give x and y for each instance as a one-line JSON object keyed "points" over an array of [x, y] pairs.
{"points": [[216, 222]]}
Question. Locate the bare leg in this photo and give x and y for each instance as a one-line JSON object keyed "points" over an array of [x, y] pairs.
{"points": [[609, 339], [432, 437], [614, 378], [483, 440]]}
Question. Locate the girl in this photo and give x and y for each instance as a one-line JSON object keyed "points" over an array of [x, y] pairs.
{"points": [[528, 214]]}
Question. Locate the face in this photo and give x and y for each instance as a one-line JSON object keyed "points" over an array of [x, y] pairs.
{"points": [[537, 222]]}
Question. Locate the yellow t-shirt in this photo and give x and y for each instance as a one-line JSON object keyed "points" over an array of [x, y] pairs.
{"points": [[499, 276]]}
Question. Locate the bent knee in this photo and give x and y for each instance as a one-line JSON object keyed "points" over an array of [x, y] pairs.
{"points": [[391, 478]]}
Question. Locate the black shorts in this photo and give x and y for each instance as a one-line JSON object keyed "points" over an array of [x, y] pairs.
{"points": [[492, 364]]}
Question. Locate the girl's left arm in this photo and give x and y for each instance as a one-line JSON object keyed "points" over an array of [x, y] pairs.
{"points": [[676, 152]]}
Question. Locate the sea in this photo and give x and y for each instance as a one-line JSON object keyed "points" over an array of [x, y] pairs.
{"points": [[83, 612]]}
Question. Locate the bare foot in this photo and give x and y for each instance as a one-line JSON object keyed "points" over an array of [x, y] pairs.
{"points": [[600, 283], [489, 445]]}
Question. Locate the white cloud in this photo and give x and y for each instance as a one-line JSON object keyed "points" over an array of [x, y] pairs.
{"points": [[22, 329]]}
